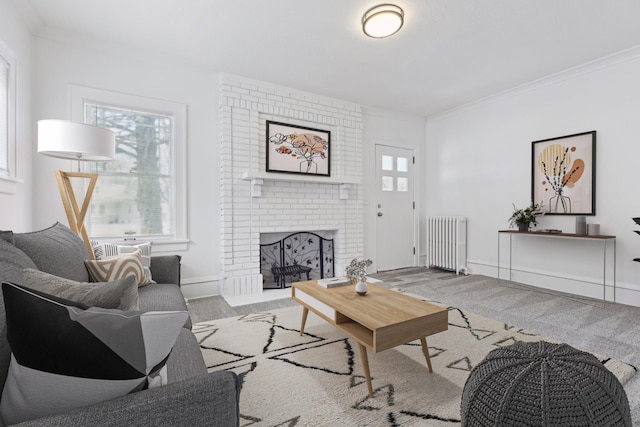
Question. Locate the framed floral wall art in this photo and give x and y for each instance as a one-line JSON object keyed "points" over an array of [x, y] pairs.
{"points": [[296, 149], [563, 174]]}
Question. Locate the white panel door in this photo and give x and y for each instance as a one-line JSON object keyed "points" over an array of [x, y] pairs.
{"points": [[395, 221]]}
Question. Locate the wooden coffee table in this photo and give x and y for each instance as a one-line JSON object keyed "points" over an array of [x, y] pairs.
{"points": [[380, 320]]}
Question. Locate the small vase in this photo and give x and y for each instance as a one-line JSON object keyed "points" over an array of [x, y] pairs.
{"points": [[361, 287], [560, 203], [523, 227]]}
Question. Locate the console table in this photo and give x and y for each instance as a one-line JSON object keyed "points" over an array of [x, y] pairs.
{"points": [[605, 240]]}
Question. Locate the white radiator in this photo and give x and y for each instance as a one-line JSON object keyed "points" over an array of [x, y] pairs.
{"points": [[447, 243]]}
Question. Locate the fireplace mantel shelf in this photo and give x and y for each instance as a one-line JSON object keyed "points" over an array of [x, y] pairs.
{"points": [[258, 178], [299, 178]]}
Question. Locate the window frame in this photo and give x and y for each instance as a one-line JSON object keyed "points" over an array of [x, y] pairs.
{"points": [[10, 175], [81, 95]]}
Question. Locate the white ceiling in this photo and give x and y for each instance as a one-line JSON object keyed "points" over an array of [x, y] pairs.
{"points": [[449, 52]]}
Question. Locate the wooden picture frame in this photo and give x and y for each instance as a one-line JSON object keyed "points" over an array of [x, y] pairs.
{"points": [[563, 174], [298, 149]]}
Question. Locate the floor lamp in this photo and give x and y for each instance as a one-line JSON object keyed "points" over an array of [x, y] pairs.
{"points": [[82, 142]]}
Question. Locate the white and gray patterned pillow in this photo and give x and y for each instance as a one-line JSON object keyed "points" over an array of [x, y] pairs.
{"points": [[107, 270], [121, 294], [65, 355], [103, 250]]}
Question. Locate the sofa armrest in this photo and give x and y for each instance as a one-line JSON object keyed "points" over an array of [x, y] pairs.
{"points": [[166, 269], [208, 400]]}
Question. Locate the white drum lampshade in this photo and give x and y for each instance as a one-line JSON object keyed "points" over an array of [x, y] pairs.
{"points": [[77, 141]]}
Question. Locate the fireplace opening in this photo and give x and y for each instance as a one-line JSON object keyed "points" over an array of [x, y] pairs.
{"points": [[303, 255]]}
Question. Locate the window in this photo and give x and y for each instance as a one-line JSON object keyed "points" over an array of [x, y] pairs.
{"points": [[140, 194], [7, 112]]}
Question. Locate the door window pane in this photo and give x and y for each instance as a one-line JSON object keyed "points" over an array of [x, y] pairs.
{"points": [[403, 164], [387, 163], [403, 184], [387, 183]]}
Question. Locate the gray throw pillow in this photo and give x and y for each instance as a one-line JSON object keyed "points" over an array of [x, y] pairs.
{"points": [[12, 262], [56, 250], [7, 235], [121, 294]]}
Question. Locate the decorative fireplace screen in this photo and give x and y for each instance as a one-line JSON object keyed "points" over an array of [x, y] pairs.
{"points": [[301, 254]]}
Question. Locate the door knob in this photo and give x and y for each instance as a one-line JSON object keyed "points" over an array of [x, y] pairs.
{"points": [[379, 213]]}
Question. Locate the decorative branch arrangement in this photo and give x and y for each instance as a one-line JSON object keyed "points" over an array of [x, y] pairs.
{"points": [[358, 269], [295, 149], [305, 146], [560, 178]]}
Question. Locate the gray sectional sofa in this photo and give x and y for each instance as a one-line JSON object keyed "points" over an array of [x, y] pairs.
{"points": [[192, 397]]}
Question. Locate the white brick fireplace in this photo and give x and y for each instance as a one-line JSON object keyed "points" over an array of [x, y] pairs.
{"points": [[255, 202]]}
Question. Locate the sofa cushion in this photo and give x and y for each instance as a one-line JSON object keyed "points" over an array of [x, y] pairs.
{"points": [[56, 250], [162, 296], [121, 294], [65, 355], [103, 250], [105, 270]]}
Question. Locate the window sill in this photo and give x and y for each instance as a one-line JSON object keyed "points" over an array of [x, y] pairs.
{"points": [[159, 246]]}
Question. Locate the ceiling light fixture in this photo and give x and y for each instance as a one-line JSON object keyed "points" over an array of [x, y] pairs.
{"points": [[382, 21]]}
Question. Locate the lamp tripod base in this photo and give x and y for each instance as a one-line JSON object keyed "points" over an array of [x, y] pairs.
{"points": [[75, 212]]}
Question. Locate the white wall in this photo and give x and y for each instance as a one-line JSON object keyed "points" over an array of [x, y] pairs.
{"points": [[398, 130], [15, 197], [479, 163], [83, 62]]}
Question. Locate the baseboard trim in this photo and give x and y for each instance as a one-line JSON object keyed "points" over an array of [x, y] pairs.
{"points": [[625, 293]]}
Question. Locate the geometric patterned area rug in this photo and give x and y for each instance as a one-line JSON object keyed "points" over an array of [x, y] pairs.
{"points": [[317, 379]]}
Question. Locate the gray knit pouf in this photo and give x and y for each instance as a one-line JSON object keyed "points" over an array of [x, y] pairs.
{"points": [[543, 384]]}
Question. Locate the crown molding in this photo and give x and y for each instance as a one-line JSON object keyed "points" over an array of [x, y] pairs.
{"points": [[626, 55]]}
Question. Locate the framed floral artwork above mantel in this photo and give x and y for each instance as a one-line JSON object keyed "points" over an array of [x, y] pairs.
{"points": [[563, 174], [297, 149]]}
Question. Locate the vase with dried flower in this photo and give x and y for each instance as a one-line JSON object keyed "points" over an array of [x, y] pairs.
{"points": [[357, 272]]}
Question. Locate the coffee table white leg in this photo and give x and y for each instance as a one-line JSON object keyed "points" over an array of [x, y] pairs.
{"points": [[365, 367], [305, 312], [425, 350]]}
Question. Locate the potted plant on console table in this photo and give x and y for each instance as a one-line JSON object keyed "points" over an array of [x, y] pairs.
{"points": [[526, 217]]}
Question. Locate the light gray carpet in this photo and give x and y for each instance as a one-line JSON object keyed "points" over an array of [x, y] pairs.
{"points": [[613, 330]]}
